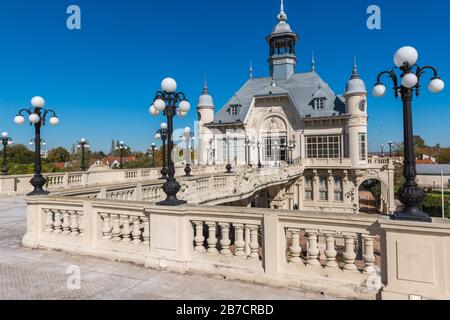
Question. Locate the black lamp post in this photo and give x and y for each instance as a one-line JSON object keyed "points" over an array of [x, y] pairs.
{"points": [[187, 139], [391, 144], [37, 116], [259, 155], [171, 103], [410, 195], [161, 134], [83, 144], [6, 140], [122, 146], [382, 150], [153, 148], [228, 167]]}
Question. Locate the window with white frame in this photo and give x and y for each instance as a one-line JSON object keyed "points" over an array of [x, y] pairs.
{"points": [[362, 146], [319, 103], [308, 188], [338, 189], [323, 147], [234, 109], [323, 188]]}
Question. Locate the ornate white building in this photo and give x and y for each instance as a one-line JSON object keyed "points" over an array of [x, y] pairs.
{"points": [[292, 117]]}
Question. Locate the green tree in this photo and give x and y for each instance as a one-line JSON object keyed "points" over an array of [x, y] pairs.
{"points": [[58, 155], [20, 154], [418, 141]]}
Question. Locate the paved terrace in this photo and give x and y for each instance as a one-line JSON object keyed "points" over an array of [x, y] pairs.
{"points": [[41, 274]]}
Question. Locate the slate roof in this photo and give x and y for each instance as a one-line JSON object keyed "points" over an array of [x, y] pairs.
{"points": [[300, 88], [433, 169]]}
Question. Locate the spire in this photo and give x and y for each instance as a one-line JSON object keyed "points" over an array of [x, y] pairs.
{"points": [[205, 86], [355, 74], [251, 70], [282, 16], [313, 63]]}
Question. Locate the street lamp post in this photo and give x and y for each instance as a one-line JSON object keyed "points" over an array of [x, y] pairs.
{"points": [[82, 145], [410, 195], [291, 151], [37, 116], [161, 134], [259, 155], [188, 136], [171, 103], [391, 144], [6, 140], [122, 146], [382, 150], [229, 167], [153, 148]]}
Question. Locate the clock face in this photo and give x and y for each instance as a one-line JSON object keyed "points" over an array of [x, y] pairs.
{"points": [[362, 105]]}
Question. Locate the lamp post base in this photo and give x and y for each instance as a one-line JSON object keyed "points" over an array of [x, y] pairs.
{"points": [[416, 215], [171, 188], [228, 167], [187, 171], [411, 196], [38, 182], [171, 202]]}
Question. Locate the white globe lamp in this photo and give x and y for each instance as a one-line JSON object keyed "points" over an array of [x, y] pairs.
{"points": [[153, 110], [38, 102], [34, 118], [164, 126], [184, 106], [159, 105], [404, 55], [409, 80], [436, 85], [19, 120], [54, 121], [5, 134], [379, 90], [169, 85]]}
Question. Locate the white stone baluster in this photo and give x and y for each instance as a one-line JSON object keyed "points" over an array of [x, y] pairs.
{"points": [[58, 223], [369, 255], [146, 232], [330, 251], [247, 240], [126, 231], [106, 226], [295, 248], [136, 230], [349, 253], [48, 220], [212, 240], [313, 248], [116, 232], [199, 238], [81, 223], [66, 222], [254, 245], [225, 239], [239, 242], [74, 223]]}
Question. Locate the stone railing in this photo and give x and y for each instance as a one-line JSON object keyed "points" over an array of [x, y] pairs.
{"points": [[345, 255]]}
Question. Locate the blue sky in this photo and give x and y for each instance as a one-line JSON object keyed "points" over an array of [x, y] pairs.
{"points": [[101, 79]]}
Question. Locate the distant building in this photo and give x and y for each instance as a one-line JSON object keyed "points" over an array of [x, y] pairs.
{"points": [[429, 175], [112, 161]]}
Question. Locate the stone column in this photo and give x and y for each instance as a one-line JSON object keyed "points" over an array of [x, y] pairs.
{"points": [[116, 227], [369, 256], [106, 230], [126, 231], [254, 245], [225, 239], [239, 242], [349, 253], [330, 251], [295, 248], [212, 240], [199, 238], [136, 230], [313, 248]]}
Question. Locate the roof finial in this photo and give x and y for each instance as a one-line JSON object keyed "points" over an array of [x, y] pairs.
{"points": [[205, 86], [282, 16], [313, 63], [355, 74], [251, 69]]}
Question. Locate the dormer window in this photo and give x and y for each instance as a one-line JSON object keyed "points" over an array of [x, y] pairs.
{"points": [[234, 109], [319, 103]]}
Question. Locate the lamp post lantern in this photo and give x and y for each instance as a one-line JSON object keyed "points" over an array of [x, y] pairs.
{"points": [[6, 140], [37, 116], [391, 145], [171, 103], [153, 148], [410, 195], [259, 155], [122, 146], [161, 134], [83, 144]]}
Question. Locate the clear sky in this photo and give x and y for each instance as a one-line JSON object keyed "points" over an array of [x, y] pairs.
{"points": [[101, 79]]}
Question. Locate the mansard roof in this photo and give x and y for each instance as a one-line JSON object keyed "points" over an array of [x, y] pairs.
{"points": [[300, 88]]}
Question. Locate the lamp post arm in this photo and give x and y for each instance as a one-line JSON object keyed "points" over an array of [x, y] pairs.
{"points": [[29, 111], [391, 74]]}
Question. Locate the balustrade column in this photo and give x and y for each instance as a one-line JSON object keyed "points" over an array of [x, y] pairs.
{"points": [[349, 253], [106, 226], [48, 220], [74, 223], [116, 227], [295, 248], [126, 231], [58, 223], [66, 222], [199, 238], [313, 248], [369, 255], [254, 245], [239, 242], [247, 240], [212, 240], [136, 230], [225, 239], [330, 251], [146, 232]]}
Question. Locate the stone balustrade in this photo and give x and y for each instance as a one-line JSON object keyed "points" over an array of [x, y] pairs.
{"points": [[349, 256]]}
